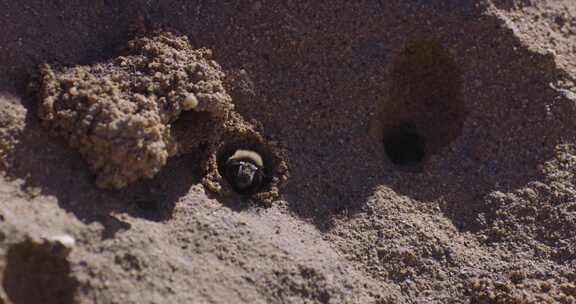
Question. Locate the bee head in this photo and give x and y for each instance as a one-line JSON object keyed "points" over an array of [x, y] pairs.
{"points": [[244, 170]]}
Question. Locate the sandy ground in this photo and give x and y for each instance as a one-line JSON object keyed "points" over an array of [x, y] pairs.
{"points": [[431, 149]]}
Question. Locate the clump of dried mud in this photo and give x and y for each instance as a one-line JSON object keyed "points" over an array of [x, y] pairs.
{"points": [[432, 151], [119, 114], [12, 120]]}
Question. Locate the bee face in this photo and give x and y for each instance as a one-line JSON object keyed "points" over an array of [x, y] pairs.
{"points": [[244, 172]]}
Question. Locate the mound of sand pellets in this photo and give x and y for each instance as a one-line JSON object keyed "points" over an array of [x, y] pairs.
{"points": [[118, 114]]}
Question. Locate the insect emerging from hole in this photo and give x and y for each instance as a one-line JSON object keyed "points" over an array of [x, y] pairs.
{"points": [[244, 170]]}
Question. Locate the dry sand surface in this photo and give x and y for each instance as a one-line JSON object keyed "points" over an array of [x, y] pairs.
{"points": [[413, 151]]}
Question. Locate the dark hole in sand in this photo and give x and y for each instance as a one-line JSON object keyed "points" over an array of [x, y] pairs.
{"points": [[424, 111], [36, 273], [404, 146]]}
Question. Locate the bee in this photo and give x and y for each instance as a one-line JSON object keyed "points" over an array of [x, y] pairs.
{"points": [[244, 170]]}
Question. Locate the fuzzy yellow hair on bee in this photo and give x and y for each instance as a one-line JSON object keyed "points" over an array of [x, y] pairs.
{"points": [[248, 155]]}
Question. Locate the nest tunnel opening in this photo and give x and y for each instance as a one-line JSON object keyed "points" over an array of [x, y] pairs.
{"points": [[423, 111], [38, 273], [405, 146]]}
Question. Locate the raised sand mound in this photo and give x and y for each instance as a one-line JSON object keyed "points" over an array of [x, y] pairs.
{"points": [[412, 151]]}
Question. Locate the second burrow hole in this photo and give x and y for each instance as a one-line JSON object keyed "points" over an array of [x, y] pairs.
{"points": [[423, 111]]}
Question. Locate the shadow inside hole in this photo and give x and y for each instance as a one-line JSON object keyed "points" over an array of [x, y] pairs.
{"points": [[405, 146], [424, 111], [35, 273]]}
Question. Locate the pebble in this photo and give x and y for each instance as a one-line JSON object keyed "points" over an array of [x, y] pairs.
{"points": [[190, 102]]}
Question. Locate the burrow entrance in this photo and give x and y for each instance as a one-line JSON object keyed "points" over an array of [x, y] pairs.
{"points": [[38, 273], [404, 145], [229, 172], [423, 111]]}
